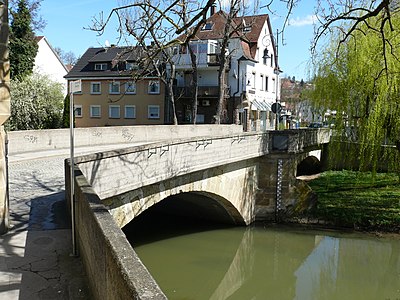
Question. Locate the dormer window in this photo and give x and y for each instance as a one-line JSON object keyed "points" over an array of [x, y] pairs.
{"points": [[207, 26], [100, 67], [131, 66], [247, 28]]}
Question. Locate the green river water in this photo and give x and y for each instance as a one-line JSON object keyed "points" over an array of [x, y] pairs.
{"points": [[198, 261]]}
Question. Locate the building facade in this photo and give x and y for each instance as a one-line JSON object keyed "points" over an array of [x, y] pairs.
{"points": [[110, 95], [47, 62], [252, 79]]}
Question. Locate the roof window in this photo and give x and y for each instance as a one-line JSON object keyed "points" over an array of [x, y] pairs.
{"points": [[207, 26], [100, 67]]}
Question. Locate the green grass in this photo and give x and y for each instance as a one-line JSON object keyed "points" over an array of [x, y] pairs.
{"points": [[361, 200]]}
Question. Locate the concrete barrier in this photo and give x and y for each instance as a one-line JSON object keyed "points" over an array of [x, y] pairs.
{"points": [[113, 268], [41, 140]]}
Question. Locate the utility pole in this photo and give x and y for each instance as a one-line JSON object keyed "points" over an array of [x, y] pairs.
{"points": [[4, 114]]}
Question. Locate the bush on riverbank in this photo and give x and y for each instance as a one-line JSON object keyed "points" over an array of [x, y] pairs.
{"points": [[360, 200]]}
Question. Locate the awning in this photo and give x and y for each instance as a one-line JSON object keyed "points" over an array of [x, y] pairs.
{"points": [[260, 105]]}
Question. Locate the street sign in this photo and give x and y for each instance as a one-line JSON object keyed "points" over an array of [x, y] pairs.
{"points": [[276, 107], [75, 86]]}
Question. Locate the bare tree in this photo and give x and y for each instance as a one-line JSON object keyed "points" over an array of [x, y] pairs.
{"points": [[158, 22]]}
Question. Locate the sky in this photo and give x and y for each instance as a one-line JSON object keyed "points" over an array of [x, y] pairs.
{"points": [[67, 23]]}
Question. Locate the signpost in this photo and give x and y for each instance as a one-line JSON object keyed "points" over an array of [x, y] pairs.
{"points": [[75, 87]]}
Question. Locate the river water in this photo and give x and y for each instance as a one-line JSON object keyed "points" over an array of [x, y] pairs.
{"points": [[192, 260]]}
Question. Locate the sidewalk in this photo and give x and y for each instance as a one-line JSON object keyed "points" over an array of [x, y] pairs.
{"points": [[35, 255]]}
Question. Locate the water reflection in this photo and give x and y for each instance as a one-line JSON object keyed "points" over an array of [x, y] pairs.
{"points": [[259, 263]]}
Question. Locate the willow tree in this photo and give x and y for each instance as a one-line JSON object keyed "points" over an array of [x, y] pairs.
{"points": [[359, 77]]}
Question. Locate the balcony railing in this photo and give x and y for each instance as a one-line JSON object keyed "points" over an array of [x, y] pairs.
{"points": [[203, 91]]}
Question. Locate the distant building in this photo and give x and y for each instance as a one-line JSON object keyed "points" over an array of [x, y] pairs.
{"points": [[297, 107], [47, 62], [110, 96], [252, 83]]}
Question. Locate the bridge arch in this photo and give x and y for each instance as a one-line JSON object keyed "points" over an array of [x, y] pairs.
{"points": [[222, 192], [309, 166], [199, 205]]}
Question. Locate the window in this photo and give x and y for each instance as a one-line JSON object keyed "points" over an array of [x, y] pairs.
{"points": [[130, 87], [207, 26], [272, 60], [100, 67], [131, 66], [262, 82], [130, 111], [246, 28], [114, 112], [95, 111], [154, 87], [153, 111], [273, 85], [78, 111], [254, 81], [114, 87], [95, 88], [266, 83]]}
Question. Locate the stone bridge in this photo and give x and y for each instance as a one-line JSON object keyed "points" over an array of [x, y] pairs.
{"points": [[249, 176], [236, 178]]}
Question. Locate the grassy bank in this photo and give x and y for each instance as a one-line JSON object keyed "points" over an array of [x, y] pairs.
{"points": [[361, 200]]}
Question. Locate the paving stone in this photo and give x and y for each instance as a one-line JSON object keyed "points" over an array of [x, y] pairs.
{"points": [[35, 254]]}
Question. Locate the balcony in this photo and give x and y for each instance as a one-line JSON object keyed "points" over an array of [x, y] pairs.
{"points": [[203, 92]]}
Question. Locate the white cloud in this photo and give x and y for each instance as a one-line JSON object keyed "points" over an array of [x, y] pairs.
{"points": [[298, 22]]}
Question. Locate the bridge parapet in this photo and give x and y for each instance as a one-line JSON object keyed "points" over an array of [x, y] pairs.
{"points": [[115, 172], [298, 140]]}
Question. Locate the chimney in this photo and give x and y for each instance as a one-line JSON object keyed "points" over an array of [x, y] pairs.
{"points": [[212, 9]]}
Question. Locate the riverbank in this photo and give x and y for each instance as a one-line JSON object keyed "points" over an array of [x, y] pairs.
{"points": [[361, 201]]}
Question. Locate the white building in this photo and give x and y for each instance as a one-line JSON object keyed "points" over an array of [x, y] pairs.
{"points": [[47, 62], [252, 79]]}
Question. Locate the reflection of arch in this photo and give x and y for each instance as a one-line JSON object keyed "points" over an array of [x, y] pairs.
{"points": [[309, 166]]}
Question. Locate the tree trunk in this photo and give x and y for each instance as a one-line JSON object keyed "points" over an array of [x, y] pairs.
{"points": [[170, 92], [194, 84]]}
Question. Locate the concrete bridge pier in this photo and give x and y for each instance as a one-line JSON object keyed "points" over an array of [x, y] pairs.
{"points": [[279, 191]]}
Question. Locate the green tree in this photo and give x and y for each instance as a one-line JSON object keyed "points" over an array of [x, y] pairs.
{"points": [[23, 45], [37, 103], [65, 115], [361, 81]]}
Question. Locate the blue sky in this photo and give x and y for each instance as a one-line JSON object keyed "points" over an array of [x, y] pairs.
{"points": [[66, 21]]}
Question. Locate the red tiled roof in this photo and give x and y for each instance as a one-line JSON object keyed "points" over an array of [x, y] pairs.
{"points": [[249, 38], [218, 21]]}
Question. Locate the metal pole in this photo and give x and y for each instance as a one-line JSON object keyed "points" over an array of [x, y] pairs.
{"points": [[72, 177], [277, 81]]}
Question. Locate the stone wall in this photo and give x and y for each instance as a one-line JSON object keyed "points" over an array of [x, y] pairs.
{"points": [[112, 266], [41, 140]]}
